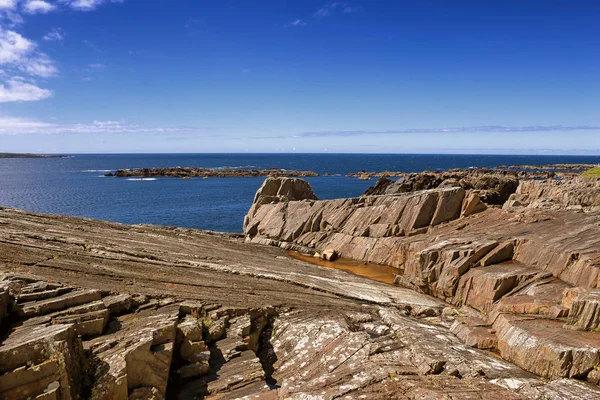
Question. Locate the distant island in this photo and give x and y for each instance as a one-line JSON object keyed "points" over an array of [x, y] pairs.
{"points": [[29, 155], [187, 172]]}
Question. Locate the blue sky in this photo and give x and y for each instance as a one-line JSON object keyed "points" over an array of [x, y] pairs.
{"points": [[437, 76]]}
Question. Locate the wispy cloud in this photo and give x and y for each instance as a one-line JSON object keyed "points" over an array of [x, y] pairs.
{"points": [[8, 4], [18, 52], [87, 5], [297, 22], [92, 45], [55, 34], [469, 129], [20, 126], [21, 60], [335, 7], [97, 66], [19, 90], [38, 7]]}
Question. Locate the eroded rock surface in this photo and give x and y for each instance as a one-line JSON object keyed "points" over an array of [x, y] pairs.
{"points": [[530, 273], [494, 187], [579, 194], [489, 302]]}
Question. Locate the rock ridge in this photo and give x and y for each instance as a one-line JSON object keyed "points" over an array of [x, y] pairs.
{"points": [[525, 276]]}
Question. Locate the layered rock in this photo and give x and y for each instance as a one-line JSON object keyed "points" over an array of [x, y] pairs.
{"points": [[156, 312], [585, 312], [572, 194], [307, 221], [147, 344], [494, 187], [522, 269]]}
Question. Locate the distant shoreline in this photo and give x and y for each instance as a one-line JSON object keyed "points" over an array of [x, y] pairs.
{"points": [[30, 155]]}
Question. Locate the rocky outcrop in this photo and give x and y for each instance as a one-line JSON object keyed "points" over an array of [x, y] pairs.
{"points": [[543, 347], [579, 194], [147, 344], [522, 269], [585, 312], [347, 222], [493, 187], [162, 348]]}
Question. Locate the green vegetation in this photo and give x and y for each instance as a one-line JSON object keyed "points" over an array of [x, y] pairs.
{"points": [[592, 173]]}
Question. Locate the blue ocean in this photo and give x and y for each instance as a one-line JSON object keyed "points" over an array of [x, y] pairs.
{"points": [[77, 186]]}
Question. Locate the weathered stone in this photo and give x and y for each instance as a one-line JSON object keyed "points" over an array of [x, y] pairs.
{"points": [[504, 252], [543, 347], [329, 254], [474, 330], [118, 303], [559, 194], [559, 389], [481, 287], [449, 206], [570, 294], [41, 295], [87, 324], [192, 348], [4, 300], [33, 358], [146, 393], [585, 312], [472, 204], [59, 303], [542, 295], [138, 355]]}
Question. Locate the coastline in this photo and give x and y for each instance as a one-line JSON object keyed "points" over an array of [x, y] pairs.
{"points": [[114, 285]]}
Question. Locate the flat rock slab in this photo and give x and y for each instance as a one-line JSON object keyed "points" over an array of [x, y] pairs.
{"points": [[543, 347], [482, 286]]}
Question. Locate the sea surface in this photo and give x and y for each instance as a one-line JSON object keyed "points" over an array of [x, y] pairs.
{"points": [[77, 186]]}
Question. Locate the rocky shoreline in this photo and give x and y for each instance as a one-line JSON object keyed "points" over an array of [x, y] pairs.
{"points": [[189, 172], [521, 171], [491, 301]]}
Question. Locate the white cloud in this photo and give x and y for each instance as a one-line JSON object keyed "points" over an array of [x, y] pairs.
{"points": [[10, 18], [336, 6], [17, 126], [88, 5], [297, 22], [20, 52], [39, 65], [8, 4], [55, 34], [38, 7], [85, 5], [20, 55], [13, 46], [97, 66], [18, 90]]}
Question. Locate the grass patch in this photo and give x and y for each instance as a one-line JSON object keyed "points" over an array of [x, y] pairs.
{"points": [[592, 173]]}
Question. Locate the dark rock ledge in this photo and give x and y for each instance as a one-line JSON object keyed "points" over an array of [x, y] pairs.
{"points": [[188, 172]]}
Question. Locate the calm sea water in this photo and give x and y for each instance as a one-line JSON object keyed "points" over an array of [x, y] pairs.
{"points": [[77, 186]]}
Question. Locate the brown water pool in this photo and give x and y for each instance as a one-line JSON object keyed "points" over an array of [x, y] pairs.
{"points": [[377, 272]]}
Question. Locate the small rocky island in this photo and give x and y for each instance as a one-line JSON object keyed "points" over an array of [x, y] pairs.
{"points": [[30, 155], [497, 297], [189, 172]]}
